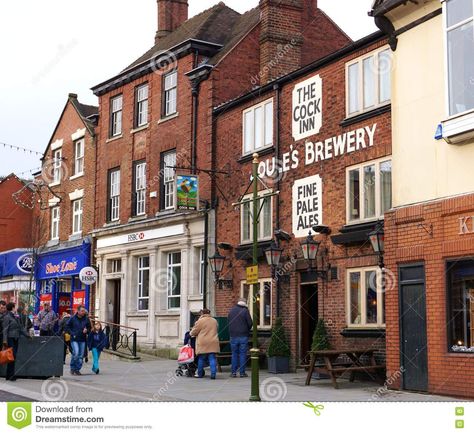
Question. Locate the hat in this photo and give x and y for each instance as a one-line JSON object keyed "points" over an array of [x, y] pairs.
{"points": [[242, 302]]}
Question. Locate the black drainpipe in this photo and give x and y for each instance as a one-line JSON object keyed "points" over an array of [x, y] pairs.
{"points": [[277, 89], [195, 96]]}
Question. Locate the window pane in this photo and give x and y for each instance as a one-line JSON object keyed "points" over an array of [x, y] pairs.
{"points": [[354, 195], [266, 219], [355, 299], [369, 191], [461, 68], [385, 186], [371, 296], [267, 304], [369, 86], [354, 97], [458, 11], [385, 69], [269, 124], [258, 139], [246, 222], [248, 132]]}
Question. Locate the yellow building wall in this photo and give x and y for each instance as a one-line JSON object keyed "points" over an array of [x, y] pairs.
{"points": [[423, 168]]}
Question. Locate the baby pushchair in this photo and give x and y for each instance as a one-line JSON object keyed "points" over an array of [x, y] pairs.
{"points": [[188, 369]]}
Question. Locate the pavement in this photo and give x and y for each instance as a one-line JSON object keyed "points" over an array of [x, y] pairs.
{"points": [[155, 380]]}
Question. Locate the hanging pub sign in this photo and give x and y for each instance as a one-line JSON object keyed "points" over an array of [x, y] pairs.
{"points": [[187, 192], [307, 205], [307, 108]]}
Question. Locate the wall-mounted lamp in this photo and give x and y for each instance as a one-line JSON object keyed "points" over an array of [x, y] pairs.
{"points": [[377, 239], [310, 248]]}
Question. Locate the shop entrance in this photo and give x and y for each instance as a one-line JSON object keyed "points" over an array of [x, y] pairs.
{"points": [[113, 299], [414, 344], [308, 318]]}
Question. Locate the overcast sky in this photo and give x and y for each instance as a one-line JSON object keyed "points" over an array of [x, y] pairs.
{"points": [[53, 47]]}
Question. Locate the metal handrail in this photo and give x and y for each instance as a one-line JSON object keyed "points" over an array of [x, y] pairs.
{"points": [[113, 324]]}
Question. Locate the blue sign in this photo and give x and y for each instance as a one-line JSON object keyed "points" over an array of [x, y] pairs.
{"points": [[16, 263], [62, 263], [439, 132]]}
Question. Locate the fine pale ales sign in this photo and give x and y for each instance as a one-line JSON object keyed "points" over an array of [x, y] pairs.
{"points": [[307, 205], [307, 108]]}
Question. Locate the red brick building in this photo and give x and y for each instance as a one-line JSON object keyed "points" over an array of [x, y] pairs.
{"points": [[156, 125], [323, 137], [15, 220], [64, 212]]}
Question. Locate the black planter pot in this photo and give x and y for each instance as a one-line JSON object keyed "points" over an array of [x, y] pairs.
{"points": [[279, 365]]}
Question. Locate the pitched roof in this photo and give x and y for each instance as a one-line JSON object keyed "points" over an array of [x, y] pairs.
{"points": [[212, 25]]}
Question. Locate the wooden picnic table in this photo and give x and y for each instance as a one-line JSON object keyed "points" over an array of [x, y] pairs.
{"points": [[353, 364]]}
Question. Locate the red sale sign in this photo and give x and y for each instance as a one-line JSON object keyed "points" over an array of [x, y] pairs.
{"points": [[45, 298], [64, 304], [78, 299]]}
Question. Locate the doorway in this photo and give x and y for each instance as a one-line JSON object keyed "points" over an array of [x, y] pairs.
{"points": [[414, 342], [308, 319]]}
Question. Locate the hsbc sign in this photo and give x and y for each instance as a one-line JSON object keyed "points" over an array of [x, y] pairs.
{"points": [[88, 276], [139, 236]]}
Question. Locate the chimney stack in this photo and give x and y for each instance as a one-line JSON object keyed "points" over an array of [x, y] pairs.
{"points": [[283, 23], [171, 14]]}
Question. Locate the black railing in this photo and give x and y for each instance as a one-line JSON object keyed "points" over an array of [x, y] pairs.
{"points": [[122, 339]]}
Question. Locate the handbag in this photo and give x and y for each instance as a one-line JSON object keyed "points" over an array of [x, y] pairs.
{"points": [[186, 355], [6, 356]]}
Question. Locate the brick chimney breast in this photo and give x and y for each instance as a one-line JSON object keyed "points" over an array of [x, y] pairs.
{"points": [[281, 35], [171, 14]]}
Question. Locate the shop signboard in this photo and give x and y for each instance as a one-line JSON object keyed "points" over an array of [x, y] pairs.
{"points": [[307, 205], [63, 263]]}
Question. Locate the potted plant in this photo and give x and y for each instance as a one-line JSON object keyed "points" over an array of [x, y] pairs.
{"points": [[320, 342], [278, 350]]}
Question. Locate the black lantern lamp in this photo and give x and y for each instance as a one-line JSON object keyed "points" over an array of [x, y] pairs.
{"points": [[310, 249], [377, 239], [273, 254], [216, 262]]}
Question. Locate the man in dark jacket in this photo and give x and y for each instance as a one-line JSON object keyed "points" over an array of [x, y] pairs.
{"points": [[12, 330], [78, 328], [3, 311], [240, 325]]}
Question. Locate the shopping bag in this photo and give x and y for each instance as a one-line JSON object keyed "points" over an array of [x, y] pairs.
{"points": [[186, 355], [6, 356]]}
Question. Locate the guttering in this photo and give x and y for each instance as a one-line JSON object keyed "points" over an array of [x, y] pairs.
{"points": [[337, 55], [188, 46], [387, 6]]}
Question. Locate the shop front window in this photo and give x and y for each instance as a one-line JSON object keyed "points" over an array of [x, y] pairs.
{"points": [[143, 282], [460, 280], [174, 280]]}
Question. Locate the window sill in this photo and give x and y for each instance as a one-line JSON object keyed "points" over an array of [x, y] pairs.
{"points": [[54, 184], [79, 175], [112, 139], [459, 129], [350, 120], [52, 243], [168, 118], [75, 237], [137, 218], [138, 129], [165, 212], [138, 313], [112, 224], [244, 251], [249, 157], [369, 332]]}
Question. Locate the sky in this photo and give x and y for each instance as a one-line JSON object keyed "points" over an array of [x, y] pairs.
{"points": [[51, 48]]}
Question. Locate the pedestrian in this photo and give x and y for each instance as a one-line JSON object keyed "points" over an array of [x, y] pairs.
{"points": [[3, 311], [25, 320], [12, 330], [86, 350], [240, 325], [97, 342], [207, 342], [65, 335], [47, 320], [78, 328]]}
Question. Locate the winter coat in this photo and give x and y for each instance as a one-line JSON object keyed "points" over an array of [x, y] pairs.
{"points": [[205, 330], [240, 322], [12, 327], [75, 327], [99, 340]]}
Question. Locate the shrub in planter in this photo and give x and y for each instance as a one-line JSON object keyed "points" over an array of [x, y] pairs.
{"points": [[320, 343], [278, 350]]}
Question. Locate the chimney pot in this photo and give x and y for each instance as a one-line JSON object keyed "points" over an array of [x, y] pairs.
{"points": [[171, 14]]}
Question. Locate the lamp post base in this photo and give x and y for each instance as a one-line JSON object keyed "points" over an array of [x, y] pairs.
{"points": [[255, 391]]}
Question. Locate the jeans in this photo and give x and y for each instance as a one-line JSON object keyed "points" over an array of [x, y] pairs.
{"points": [[78, 349], [239, 346], [203, 358], [95, 359], [13, 344]]}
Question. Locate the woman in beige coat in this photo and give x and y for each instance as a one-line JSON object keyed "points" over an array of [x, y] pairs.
{"points": [[207, 342]]}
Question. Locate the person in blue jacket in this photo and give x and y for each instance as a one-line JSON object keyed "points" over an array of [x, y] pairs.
{"points": [[78, 328], [97, 342]]}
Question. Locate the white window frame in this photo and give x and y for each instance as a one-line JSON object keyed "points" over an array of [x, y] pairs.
{"points": [[169, 180], [378, 200], [79, 157], [141, 269], [360, 62], [141, 95], [140, 189], [55, 221], [170, 267], [263, 134], [114, 199], [77, 212], [202, 265], [261, 282], [116, 115], [261, 228], [170, 94], [57, 163], [380, 298]]}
